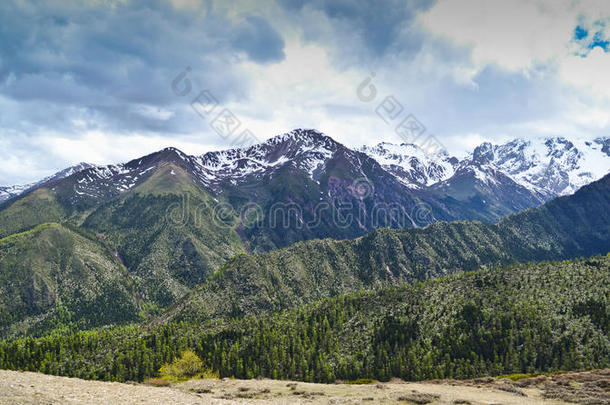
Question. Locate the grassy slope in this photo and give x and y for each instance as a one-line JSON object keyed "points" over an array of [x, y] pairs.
{"points": [[39, 206], [51, 275], [166, 233]]}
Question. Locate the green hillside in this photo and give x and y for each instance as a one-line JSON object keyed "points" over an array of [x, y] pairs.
{"points": [[568, 227], [519, 319], [38, 207], [53, 277], [166, 233]]}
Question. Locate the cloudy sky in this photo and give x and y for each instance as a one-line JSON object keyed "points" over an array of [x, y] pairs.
{"points": [[106, 81]]}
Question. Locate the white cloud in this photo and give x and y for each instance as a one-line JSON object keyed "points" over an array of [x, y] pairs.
{"points": [[514, 34], [304, 90], [522, 35], [590, 73]]}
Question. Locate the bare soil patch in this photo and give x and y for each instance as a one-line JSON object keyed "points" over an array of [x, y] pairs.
{"points": [[592, 387]]}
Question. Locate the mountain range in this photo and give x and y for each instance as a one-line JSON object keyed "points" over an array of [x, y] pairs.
{"points": [[164, 224], [301, 258], [536, 170], [566, 227]]}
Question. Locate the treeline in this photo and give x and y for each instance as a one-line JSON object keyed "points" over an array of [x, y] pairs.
{"points": [[544, 317]]}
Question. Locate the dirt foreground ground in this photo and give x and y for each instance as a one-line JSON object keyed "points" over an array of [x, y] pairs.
{"points": [[32, 388]]}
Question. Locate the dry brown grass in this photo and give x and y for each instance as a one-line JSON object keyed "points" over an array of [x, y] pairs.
{"points": [[157, 382]]}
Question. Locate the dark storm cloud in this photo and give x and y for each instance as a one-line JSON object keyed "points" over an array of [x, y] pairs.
{"points": [[381, 26], [108, 57], [259, 40]]}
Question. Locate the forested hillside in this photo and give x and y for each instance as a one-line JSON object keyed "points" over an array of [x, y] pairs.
{"points": [[568, 227], [166, 234], [543, 317]]}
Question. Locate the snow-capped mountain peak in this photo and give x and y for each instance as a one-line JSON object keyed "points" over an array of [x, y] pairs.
{"points": [[411, 165], [305, 149], [551, 166]]}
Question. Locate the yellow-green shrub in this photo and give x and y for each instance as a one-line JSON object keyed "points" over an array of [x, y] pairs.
{"points": [[187, 365]]}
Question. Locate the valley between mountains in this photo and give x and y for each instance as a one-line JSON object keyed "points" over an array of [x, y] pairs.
{"points": [[300, 258]]}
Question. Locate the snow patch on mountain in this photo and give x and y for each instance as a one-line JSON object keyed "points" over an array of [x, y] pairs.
{"points": [[98, 181], [547, 167], [9, 192], [483, 174]]}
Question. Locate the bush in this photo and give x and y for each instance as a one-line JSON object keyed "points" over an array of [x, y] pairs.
{"points": [[188, 365], [517, 377]]}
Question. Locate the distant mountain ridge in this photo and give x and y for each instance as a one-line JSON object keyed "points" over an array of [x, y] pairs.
{"points": [[8, 192], [412, 165], [550, 167], [498, 179], [501, 178]]}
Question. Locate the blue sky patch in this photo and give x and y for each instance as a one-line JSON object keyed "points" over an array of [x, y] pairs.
{"points": [[580, 33], [599, 40], [591, 37]]}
